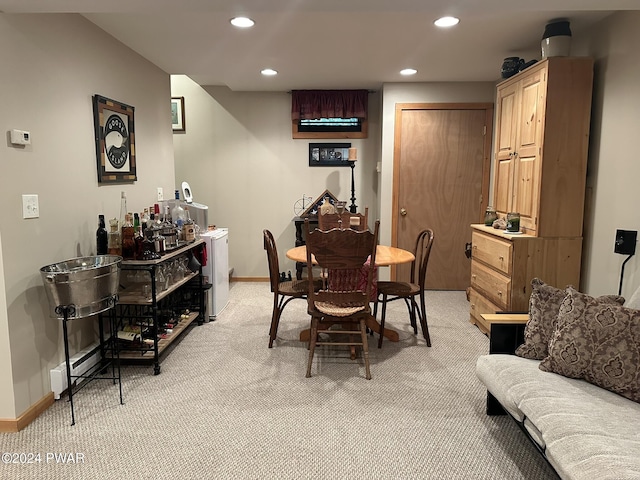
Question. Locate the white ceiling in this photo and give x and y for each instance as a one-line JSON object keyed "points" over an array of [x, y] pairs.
{"points": [[328, 44]]}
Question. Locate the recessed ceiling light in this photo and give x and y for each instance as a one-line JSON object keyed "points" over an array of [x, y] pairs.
{"points": [[446, 22], [242, 22], [408, 71], [269, 72]]}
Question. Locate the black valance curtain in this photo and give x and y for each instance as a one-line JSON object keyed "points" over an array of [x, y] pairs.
{"points": [[313, 104]]}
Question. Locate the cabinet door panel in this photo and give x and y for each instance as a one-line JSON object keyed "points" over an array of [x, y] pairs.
{"points": [[506, 123], [503, 185], [526, 185], [531, 112]]}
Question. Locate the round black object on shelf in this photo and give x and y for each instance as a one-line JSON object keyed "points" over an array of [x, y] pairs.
{"points": [[511, 66]]}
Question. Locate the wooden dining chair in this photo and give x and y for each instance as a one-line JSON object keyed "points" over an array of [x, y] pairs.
{"points": [[283, 292], [345, 305], [354, 221], [389, 291]]}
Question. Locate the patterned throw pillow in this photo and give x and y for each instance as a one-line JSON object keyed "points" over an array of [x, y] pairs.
{"points": [[597, 342], [544, 304]]}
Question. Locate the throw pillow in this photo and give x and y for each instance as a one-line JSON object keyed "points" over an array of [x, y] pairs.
{"points": [[544, 305], [597, 342]]}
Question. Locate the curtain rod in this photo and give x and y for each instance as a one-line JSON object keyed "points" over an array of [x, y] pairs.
{"points": [[368, 91]]}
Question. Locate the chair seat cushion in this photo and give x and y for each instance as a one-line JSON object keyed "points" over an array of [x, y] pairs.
{"points": [[400, 289], [338, 310]]}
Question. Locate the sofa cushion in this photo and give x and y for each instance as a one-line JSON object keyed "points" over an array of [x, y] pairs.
{"points": [[544, 305], [585, 431], [598, 342]]}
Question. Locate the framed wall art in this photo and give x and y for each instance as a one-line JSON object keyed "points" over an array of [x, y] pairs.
{"points": [[177, 114], [329, 154], [115, 140]]}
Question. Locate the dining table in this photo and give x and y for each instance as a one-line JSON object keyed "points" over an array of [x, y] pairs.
{"points": [[386, 255]]}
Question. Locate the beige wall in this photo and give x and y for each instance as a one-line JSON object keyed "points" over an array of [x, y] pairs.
{"points": [[51, 67], [239, 159], [614, 169]]}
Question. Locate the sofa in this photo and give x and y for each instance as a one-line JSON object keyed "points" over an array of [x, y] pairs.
{"points": [[570, 378]]}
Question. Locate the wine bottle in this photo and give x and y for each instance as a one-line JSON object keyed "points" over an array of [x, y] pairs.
{"points": [[102, 241]]}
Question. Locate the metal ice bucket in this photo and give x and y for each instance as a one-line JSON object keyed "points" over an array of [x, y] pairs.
{"points": [[86, 285]]}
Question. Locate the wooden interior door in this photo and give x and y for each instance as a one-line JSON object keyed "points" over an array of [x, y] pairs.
{"points": [[441, 181]]}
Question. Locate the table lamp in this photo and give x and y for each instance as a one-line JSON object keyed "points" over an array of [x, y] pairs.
{"points": [[353, 157]]}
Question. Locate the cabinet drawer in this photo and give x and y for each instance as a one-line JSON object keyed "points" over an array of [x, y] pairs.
{"points": [[492, 251], [496, 286], [480, 305]]}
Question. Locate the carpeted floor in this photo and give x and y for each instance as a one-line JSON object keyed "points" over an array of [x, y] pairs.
{"points": [[227, 407]]}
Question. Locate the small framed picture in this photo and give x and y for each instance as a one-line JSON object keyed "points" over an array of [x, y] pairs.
{"points": [[329, 154], [115, 139], [177, 114]]}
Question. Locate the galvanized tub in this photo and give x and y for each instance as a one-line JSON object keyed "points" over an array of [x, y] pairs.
{"points": [[84, 285]]}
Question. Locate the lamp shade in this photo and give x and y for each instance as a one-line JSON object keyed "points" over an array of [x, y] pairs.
{"points": [[353, 154]]}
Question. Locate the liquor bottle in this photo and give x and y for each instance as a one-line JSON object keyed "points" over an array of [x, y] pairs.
{"points": [[102, 240], [139, 244], [188, 229], [156, 211], [136, 222], [128, 242], [123, 211], [114, 242], [177, 213], [144, 219]]}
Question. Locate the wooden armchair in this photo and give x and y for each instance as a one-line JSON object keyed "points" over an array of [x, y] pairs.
{"points": [[345, 251], [344, 220]]}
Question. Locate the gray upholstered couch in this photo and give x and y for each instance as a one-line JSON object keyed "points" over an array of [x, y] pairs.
{"points": [[584, 431]]}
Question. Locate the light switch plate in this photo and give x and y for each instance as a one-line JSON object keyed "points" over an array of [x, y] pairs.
{"points": [[30, 207]]}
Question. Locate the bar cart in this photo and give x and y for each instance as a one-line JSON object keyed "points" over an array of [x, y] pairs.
{"points": [[158, 300]]}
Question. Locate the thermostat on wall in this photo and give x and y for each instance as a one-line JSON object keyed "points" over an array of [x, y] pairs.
{"points": [[20, 137]]}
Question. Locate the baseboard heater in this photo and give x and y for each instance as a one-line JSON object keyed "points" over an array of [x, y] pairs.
{"points": [[81, 362]]}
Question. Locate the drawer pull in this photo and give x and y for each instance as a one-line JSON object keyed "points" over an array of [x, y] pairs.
{"points": [[474, 276], [501, 258], [499, 293]]}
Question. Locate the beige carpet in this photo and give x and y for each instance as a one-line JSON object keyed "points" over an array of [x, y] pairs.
{"points": [[225, 406]]}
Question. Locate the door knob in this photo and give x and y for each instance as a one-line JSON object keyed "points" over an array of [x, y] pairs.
{"points": [[403, 212]]}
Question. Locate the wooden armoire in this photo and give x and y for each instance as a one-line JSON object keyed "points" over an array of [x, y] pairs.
{"points": [[540, 163]]}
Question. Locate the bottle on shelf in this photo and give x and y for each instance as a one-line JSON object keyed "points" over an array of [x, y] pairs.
{"points": [[156, 212], [123, 209], [114, 242], [128, 241], [102, 240], [139, 243], [188, 229], [177, 213], [144, 219]]}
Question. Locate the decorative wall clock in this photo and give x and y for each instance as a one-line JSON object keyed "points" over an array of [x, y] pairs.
{"points": [[115, 140]]}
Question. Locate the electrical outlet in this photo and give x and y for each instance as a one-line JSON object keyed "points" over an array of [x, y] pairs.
{"points": [[625, 242], [30, 207], [160, 194]]}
